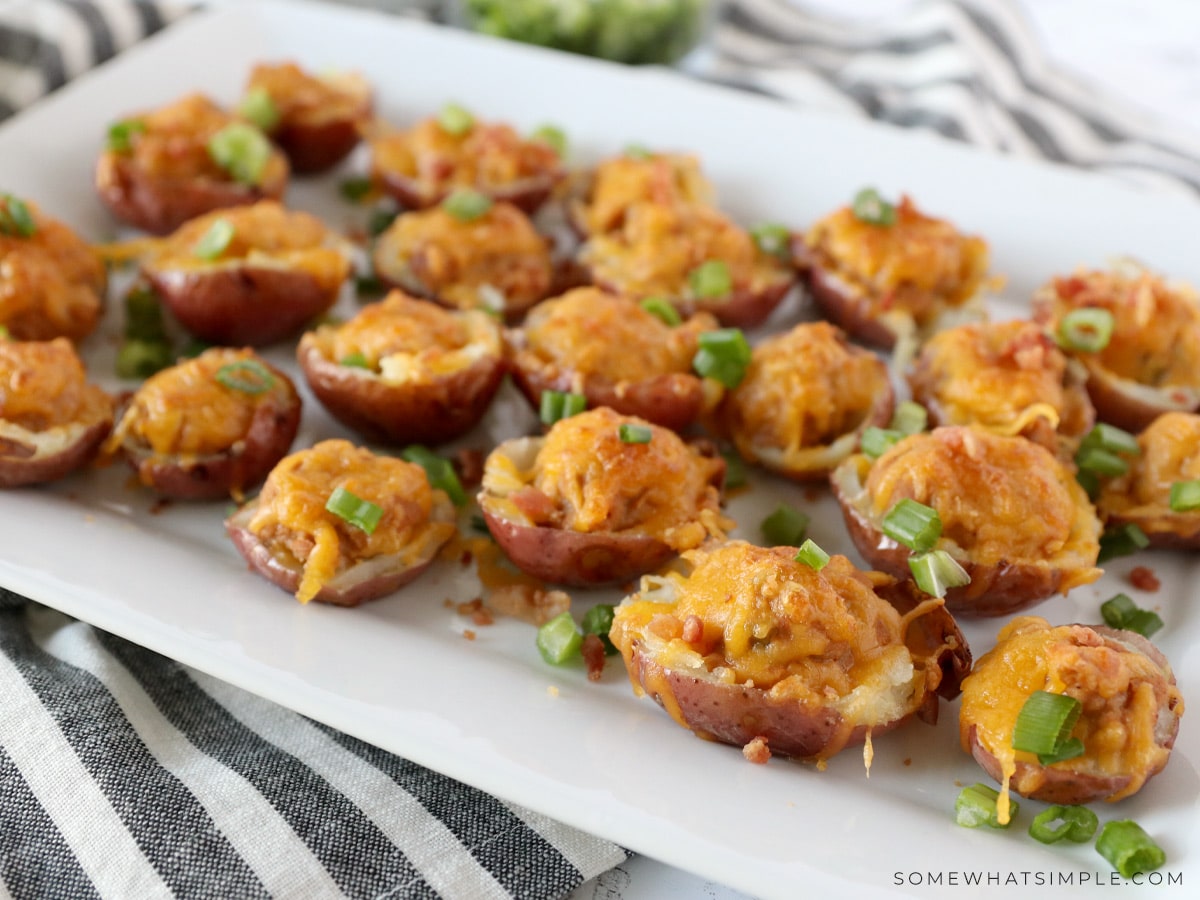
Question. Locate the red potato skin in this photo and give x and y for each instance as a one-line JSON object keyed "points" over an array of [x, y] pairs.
{"points": [[853, 314], [20, 467], [315, 147], [528, 195], [742, 309], [159, 206], [1062, 785], [1167, 531], [402, 414], [242, 304], [1119, 407]]}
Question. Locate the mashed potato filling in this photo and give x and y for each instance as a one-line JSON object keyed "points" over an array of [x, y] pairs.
{"points": [[292, 520], [43, 385], [618, 184]]}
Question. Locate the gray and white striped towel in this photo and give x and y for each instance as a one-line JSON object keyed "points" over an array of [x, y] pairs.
{"points": [[124, 774]]}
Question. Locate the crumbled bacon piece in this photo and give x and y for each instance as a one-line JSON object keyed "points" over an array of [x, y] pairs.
{"points": [[469, 634], [592, 649], [529, 603], [534, 504], [693, 629], [468, 464], [757, 751], [1144, 579]]}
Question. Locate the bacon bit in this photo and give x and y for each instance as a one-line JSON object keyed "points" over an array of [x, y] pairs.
{"points": [[467, 558], [528, 603], [469, 634], [665, 626], [1144, 579], [757, 751], [812, 493], [693, 629], [160, 506], [483, 617], [592, 649], [468, 464], [479, 613], [448, 603], [1068, 288], [534, 504], [907, 760]]}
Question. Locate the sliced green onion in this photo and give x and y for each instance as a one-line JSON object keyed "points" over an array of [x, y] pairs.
{"points": [[913, 524], [975, 807], [785, 527], [1122, 540], [367, 287], [1112, 439], [1076, 824], [380, 220], [479, 523], [456, 120], [1045, 722], [1145, 622], [355, 361], [438, 471], [638, 151], [711, 280], [15, 217], [661, 308], [553, 136], [773, 239], [876, 441], [120, 134], [356, 189], [241, 150], [598, 621], [1086, 330], [555, 405], [1121, 612], [735, 470], [812, 555], [1185, 496], [1128, 848], [936, 572], [141, 359], [467, 205], [559, 640], [259, 107], [362, 514], [246, 375], [215, 241], [1100, 462], [1090, 482], [910, 418], [871, 208], [1068, 749], [143, 315], [634, 434], [723, 356]]}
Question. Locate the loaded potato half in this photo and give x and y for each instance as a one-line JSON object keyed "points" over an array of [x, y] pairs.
{"points": [[753, 645], [603, 196]]}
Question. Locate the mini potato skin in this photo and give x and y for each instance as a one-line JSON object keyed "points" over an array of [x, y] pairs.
{"points": [[744, 308], [20, 468], [853, 314], [1060, 783]]}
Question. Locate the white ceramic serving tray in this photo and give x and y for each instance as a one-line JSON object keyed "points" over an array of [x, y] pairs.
{"points": [[399, 672]]}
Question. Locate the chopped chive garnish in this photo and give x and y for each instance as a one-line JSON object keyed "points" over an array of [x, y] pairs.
{"points": [[558, 640], [259, 108], [467, 205], [661, 308], [975, 807], [1086, 330], [1121, 540], [141, 359], [724, 355], [438, 471], [1068, 749], [1101, 450], [1045, 722], [367, 286], [871, 208], [638, 151], [1100, 462], [362, 514], [120, 134], [215, 241], [1113, 439], [772, 239], [1185, 496], [380, 220], [634, 434], [241, 150], [711, 280], [553, 136], [1121, 612], [246, 375], [143, 315], [875, 441], [556, 405], [456, 120], [1125, 844], [1075, 823], [735, 469], [785, 527], [812, 555], [355, 361], [909, 418], [598, 620], [15, 218], [913, 524], [1090, 482], [355, 189], [936, 572]]}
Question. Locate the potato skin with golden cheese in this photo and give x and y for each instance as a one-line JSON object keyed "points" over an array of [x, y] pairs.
{"points": [[601, 197], [52, 421], [1131, 709], [581, 506], [406, 371], [753, 645]]}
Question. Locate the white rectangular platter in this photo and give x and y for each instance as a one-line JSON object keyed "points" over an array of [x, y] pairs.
{"points": [[399, 672]]}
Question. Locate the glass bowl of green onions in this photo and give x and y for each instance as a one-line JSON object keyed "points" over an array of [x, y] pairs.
{"points": [[627, 31]]}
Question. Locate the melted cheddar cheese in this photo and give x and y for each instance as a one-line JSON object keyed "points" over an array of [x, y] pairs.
{"points": [[804, 388], [1124, 696], [589, 333], [51, 283], [43, 386], [486, 157], [620, 183], [1000, 499], [291, 518], [919, 264], [497, 261], [303, 98]]}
